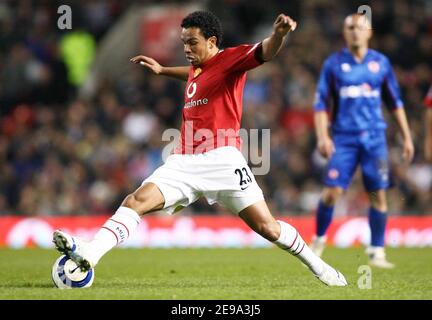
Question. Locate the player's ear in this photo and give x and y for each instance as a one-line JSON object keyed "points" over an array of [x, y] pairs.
{"points": [[212, 41]]}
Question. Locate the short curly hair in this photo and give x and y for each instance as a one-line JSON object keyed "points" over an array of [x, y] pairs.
{"points": [[208, 23]]}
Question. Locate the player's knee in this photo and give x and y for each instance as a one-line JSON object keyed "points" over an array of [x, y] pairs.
{"points": [[378, 201], [137, 202], [270, 231], [331, 195]]}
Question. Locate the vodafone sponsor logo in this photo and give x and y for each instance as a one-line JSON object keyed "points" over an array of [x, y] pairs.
{"points": [[351, 232], [186, 233], [410, 238], [190, 92], [356, 231], [196, 103], [153, 232], [209, 231], [29, 232]]}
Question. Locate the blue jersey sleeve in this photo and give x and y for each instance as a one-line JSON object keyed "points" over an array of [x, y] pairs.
{"points": [[324, 88], [390, 89]]}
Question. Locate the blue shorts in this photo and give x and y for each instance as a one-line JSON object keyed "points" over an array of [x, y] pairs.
{"points": [[369, 149]]}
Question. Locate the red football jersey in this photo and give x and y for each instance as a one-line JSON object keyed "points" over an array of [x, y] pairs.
{"points": [[428, 99], [213, 101]]}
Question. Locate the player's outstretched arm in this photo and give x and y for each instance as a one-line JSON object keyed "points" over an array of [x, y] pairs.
{"points": [[152, 65], [281, 27], [408, 146], [428, 138]]}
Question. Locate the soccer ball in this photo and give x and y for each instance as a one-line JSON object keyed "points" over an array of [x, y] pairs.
{"points": [[67, 275]]}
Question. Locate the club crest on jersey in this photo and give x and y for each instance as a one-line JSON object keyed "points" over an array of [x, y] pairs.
{"points": [[333, 174], [197, 72], [374, 66], [345, 67]]}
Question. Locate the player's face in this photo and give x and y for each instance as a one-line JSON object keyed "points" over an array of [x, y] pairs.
{"points": [[357, 31], [197, 48]]}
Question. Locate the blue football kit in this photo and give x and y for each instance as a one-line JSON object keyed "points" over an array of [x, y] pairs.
{"points": [[357, 90]]}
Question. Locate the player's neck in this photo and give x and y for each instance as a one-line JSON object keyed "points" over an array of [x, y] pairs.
{"points": [[211, 54], [358, 53]]}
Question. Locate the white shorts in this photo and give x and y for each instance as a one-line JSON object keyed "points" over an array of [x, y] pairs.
{"points": [[221, 176]]}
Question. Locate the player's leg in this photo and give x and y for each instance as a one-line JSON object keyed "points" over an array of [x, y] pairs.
{"points": [[164, 190], [324, 217], [116, 230], [375, 170], [377, 222], [337, 177], [258, 217], [239, 192], [378, 217]]}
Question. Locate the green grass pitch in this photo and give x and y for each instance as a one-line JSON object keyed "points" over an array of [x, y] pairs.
{"points": [[213, 274]]}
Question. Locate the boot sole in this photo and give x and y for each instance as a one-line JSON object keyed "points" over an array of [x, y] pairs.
{"points": [[63, 246]]}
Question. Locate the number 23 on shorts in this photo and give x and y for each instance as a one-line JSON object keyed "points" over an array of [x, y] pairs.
{"points": [[244, 177]]}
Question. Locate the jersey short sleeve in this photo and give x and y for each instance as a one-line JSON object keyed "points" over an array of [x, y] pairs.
{"points": [[324, 87], [243, 58], [390, 89]]}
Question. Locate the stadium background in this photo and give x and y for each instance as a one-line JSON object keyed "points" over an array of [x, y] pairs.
{"points": [[81, 127]]}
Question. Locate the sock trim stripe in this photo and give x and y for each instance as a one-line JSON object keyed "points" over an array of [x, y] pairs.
{"points": [[121, 224], [112, 232], [293, 241], [296, 254], [298, 246]]}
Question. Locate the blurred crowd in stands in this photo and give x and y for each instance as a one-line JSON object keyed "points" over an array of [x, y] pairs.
{"points": [[64, 155]]}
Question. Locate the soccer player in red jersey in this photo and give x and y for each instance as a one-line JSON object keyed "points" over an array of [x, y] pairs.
{"points": [[428, 124], [207, 161]]}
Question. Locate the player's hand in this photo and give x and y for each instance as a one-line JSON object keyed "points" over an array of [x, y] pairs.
{"points": [[326, 147], [149, 63], [408, 150], [284, 24]]}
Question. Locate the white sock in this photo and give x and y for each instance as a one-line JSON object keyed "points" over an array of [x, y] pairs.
{"points": [[291, 241], [321, 239], [377, 252], [115, 231]]}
